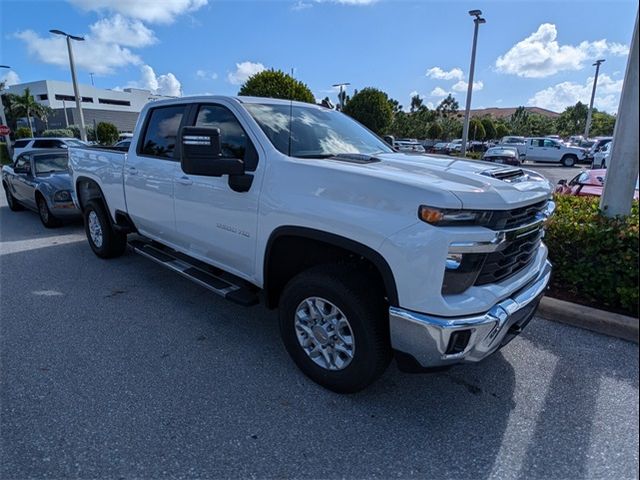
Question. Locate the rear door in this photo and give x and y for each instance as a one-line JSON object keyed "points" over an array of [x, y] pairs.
{"points": [[535, 150], [216, 219], [149, 174]]}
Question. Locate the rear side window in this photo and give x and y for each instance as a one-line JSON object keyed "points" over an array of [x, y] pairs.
{"points": [[21, 143], [47, 144], [162, 131]]}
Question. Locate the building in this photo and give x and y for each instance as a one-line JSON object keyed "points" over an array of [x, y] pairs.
{"points": [[120, 107], [506, 112]]}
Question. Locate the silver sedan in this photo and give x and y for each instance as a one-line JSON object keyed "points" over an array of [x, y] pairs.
{"points": [[40, 181]]}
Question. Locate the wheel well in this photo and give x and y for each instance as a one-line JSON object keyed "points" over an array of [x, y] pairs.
{"points": [[87, 190], [294, 250]]}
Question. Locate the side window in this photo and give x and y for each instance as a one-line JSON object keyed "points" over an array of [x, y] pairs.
{"points": [[537, 143], [162, 130], [21, 143], [23, 164], [41, 144], [232, 137], [549, 143]]}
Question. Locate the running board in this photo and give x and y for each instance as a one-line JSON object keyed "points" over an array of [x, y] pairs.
{"points": [[209, 277]]}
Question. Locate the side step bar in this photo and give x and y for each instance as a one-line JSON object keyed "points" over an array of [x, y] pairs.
{"points": [[219, 282]]}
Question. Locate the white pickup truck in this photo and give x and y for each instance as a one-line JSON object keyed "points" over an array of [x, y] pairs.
{"points": [[365, 251]]}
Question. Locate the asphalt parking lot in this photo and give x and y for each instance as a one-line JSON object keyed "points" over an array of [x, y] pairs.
{"points": [[121, 369]]}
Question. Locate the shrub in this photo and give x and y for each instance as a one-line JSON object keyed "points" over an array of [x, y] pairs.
{"points": [[371, 108], [595, 258], [107, 133], [4, 154], [23, 132], [277, 84], [58, 132]]}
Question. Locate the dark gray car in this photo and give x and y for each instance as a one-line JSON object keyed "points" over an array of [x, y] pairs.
{"points": [[40, 181]]}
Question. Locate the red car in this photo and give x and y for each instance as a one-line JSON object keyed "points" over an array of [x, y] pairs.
{"points": [[587, 183]]}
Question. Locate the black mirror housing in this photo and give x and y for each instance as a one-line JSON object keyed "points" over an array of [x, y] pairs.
{"points": [[201, 153], [562, 182]]}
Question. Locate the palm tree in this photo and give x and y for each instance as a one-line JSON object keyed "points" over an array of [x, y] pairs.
{"points": [[25, 105]]}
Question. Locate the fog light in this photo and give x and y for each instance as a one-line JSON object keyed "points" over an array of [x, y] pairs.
{"points": [[453, 261]]}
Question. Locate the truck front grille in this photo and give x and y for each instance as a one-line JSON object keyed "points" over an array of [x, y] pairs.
{"points": [[510, 260], [508, 219]]}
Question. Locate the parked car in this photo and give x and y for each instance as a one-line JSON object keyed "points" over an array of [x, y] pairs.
{"points": [[601, 158], [407, 146], [367, 252], [440, 147], [44, 143], [586, 183], [598, 145], [124, 144], [520, 143], [502, 154], [39, 180], [548, 150]]}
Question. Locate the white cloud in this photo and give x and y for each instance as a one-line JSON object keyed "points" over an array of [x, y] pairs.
{"points": [[540, 55], [204, 75], [92, 54], [166, 84], [243, 71], [440, 74], [122, 31], [562, 95], [439, 92], [301, 5], [152, 11], [461, 86], [10, 78]]}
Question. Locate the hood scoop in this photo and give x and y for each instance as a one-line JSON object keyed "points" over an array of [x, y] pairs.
{"points": [[509, 175], [355, 158]]}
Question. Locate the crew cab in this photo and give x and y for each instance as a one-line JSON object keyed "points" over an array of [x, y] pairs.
{"points": [[367, 252], [553, 151]]}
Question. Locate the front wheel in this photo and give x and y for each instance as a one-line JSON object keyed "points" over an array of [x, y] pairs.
{"points": [[46, 217], [569, 160], [103, 239], [333, 324]]}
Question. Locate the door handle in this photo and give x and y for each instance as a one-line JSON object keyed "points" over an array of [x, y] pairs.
{"points": [[184, 180], [133, 171]]}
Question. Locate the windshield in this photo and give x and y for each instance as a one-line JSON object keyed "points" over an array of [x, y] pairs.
{"points": [[316, 132], [50, 163], [75, 143]]}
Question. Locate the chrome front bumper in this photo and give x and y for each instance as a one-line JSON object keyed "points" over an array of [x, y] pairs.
{"points": [[428, 339]]}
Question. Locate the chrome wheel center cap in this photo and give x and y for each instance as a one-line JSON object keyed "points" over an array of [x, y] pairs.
{"points": [[320, 335]]}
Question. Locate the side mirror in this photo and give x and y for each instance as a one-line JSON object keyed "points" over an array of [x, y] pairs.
{"points": [[558, 147], [64, 146], [562, 182], [201, 153]]}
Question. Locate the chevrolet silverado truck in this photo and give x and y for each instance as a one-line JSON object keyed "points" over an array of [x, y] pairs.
{"points": [[366, 252]]}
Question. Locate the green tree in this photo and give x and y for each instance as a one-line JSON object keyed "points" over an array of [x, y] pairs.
{"points": [[501, 130], [489, 128], [276, 84], [519, 122], [23, 132], [25, 105], [416, 103], [448, 107], [451, 128], [371, 107], [107, 133], [602, 124], [476, 130], [572, 121], [434, 131]]}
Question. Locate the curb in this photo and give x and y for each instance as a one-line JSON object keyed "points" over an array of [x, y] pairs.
{"points": [[607, 323]]}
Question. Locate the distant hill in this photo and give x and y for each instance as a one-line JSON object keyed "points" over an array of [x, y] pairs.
{"points": [[505, 112]]}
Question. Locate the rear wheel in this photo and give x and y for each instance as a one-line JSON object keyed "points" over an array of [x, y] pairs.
{"points": [[569, 160], [14, 205], [103, 239], [333, 324], [46, 217]]}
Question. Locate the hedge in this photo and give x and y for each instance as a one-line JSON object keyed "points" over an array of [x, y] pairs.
{"points": [[58, 132], [595, 258], [4, 154]]}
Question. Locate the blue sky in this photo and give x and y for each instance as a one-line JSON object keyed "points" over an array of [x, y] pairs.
{"points": [[529, 53]]}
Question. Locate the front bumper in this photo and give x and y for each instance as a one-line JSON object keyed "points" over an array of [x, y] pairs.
{"points": [[439, 341], [64, 209]]}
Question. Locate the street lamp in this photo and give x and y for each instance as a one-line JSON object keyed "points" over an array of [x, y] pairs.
{"points": [[465, 128], [341, 94], [593, 96], [83, 132], [3, 119]]}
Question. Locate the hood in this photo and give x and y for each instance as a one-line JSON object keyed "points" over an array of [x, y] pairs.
{"points": [[478, 185]]}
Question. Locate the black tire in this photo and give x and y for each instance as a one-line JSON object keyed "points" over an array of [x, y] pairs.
{"points": [[569, 160], [46, 217], [14, 205], [110, 243], [364, 307], [603, 164]]}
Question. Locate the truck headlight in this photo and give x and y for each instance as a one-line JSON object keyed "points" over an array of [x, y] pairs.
{"points": [[444, 217], [62, 196]]}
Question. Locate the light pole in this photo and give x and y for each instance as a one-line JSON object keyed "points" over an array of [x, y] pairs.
{"points": [[465, 128], [593, 96], [83, 132], [341, 94], [3, 119]]}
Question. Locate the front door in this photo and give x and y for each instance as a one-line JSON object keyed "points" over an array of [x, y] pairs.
{"points": [[149, 174], [23, 182], [536, 150], [216, 218]]}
